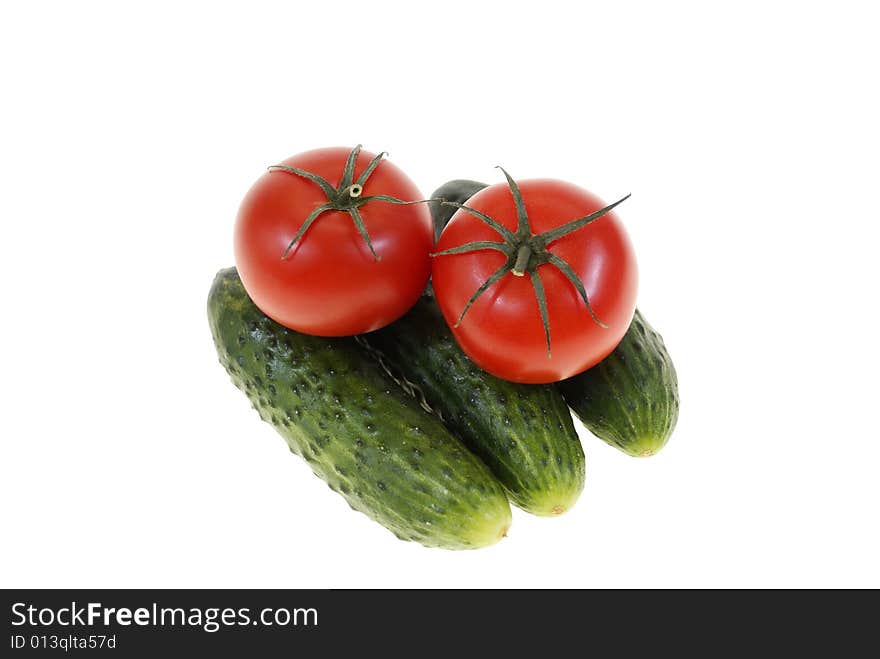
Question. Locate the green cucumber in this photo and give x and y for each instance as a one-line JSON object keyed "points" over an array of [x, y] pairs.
{"points": [[361, 433], [524, 433], [630, 398]]}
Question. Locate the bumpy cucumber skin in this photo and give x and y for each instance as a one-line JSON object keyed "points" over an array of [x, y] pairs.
{"points": [[630, 398], [361, 433], [524, 433]]}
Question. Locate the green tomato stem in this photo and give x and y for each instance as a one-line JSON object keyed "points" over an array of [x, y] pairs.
{"points": [[522, 261]]}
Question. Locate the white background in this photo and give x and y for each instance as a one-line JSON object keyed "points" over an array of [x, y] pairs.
{"points": [[748, 137]]}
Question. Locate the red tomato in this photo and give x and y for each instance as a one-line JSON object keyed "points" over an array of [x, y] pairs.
{"points": [[327, 281], [502, 330]]}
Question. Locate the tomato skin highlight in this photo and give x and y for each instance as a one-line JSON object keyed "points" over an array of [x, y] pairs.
{"points": [[502, 331], [330, 284]]}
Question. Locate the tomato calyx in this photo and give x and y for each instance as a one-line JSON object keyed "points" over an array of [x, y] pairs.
{"points": [[526, 252], [347, 197]]}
